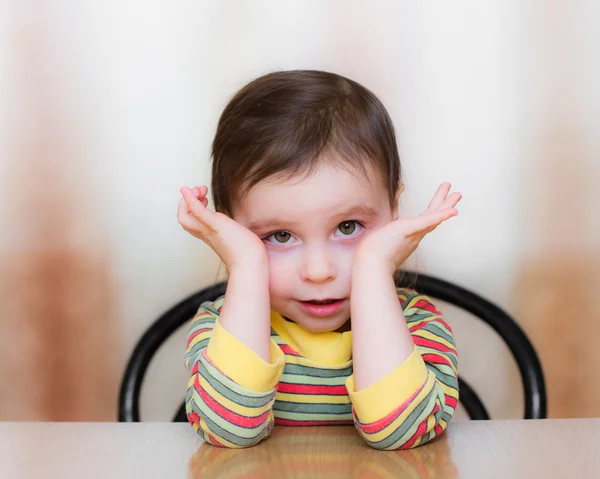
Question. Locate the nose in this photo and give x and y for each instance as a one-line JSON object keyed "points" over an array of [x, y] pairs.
{"points": [[318, 265]]}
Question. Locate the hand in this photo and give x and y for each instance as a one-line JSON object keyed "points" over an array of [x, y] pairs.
{"points": [[231, 241], [396, 241]]}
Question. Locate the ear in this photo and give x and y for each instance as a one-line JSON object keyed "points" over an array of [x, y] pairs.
{"points": [[395, 208]]}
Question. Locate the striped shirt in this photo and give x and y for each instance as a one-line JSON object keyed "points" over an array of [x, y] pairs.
{"points": [[234, 398]]}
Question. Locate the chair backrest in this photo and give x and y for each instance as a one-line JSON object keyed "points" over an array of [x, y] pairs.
{"points": [[516, 340]]}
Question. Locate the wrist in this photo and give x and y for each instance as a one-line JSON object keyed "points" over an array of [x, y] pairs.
{"points": [[368, 264], [250, 262]]}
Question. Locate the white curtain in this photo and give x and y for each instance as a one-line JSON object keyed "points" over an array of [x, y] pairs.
{"points": [[110, 106]]}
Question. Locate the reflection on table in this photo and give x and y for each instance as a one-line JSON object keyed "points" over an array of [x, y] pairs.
{"points": [[321, 452], [557, 448]]}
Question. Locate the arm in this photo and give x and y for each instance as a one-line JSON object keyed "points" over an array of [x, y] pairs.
{"points": [[380, 338], [247, 297], [234, 366], [397, 399], [403, 394], [231, 390]]}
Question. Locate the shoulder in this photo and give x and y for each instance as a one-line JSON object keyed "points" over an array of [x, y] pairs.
{"points": [[413, 301], [206, 315], [210, 308], [421, 314], [201, 328]]}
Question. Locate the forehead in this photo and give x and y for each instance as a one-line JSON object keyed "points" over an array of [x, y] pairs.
{"points": [[327, 191]]}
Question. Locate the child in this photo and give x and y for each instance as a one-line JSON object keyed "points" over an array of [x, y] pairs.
{"points": [[312, 330]]}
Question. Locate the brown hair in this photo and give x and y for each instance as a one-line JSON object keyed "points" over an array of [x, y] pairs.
{"points": [[285, 123]]}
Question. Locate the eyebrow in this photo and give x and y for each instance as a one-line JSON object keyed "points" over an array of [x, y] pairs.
{"points": [[362, 211]]}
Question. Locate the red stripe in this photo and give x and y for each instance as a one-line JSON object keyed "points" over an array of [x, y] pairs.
{"points": [[429, 343], [310, 389], [232, 417], [287, 350], [402, 301], [377, 426], [193, 418], [417, 327], [444, 323], [289, 422], [427, 306], [426, 322], [438, 429], [194, 334], [214, 441], [435, 359], [420, 431], [195, 368], [450, 401]]}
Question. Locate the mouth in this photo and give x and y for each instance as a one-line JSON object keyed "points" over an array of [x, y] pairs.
{"points": [[322, 307]]}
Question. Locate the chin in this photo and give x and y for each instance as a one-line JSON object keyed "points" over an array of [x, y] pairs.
{"points": [[321, 325]]}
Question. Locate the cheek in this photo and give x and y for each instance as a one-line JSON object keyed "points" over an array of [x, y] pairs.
{"points": [[345, 256], [283, 270]]}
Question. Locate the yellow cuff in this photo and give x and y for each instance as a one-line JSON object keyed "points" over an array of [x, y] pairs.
{"points": [[381, 398], [242, 365]]}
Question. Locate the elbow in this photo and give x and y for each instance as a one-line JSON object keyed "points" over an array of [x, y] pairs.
{"points": [[225, 435], [410, 437]]}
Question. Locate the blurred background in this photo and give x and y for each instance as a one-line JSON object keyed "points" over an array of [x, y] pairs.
{"points": [[109, 107]]}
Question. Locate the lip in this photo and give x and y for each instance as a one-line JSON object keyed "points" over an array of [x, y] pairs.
{"points": [[323, 309]]}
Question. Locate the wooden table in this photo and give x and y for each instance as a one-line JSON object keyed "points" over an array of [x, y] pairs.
{"points": [[469, 449]]}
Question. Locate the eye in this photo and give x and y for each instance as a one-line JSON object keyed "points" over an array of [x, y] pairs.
{"points": [[279, 237], [349, 228]]}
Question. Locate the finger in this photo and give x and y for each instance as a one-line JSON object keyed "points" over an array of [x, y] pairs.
{"points": [[182, 208], [430, 221], [189, 221], [451, 201], [199, 191], [197, 208], [186, 218], [439, 197]]}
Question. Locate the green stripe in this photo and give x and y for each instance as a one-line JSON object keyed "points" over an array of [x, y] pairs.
{"points": [[221, 426], [447, 379], [316, 372], [296, 416], [202, 321], [224, 429], [310, 408], [409, 427], [192, 353], [231, 390], [414, 318], [443, 367], [312, 380], [212, 306], [439, 331], [427, 349]]}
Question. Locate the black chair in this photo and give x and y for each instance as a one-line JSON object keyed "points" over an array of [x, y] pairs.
{"points": [[521, 348]]}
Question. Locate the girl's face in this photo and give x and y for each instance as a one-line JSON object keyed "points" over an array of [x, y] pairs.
{"points": [[310, 229]]}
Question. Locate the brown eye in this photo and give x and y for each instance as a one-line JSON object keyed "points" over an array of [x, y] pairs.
{"points": [[281, 237], [347, 227]]}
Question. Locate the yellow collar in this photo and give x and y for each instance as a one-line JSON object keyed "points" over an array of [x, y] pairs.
{"points": [[329, 347]]}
